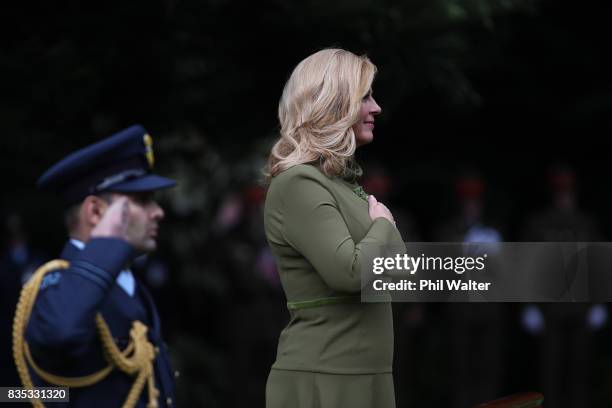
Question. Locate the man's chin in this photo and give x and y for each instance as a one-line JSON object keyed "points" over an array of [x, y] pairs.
{"points": [[146, 248]]}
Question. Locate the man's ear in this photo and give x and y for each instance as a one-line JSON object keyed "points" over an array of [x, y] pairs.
{"points": [[93, 209]]}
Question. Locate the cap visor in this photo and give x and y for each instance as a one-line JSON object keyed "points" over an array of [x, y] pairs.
{"points": [[149, 182]]}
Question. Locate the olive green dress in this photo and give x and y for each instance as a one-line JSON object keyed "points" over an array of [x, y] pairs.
{"points": [[335, 350]]}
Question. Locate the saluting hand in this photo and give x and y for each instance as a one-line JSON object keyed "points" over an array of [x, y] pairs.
{"points": [[114, 222], [378, 210]]}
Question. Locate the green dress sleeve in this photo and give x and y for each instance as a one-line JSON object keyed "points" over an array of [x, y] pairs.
{"points": [[314, 227]]}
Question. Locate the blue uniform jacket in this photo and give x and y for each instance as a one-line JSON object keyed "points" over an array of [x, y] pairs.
{"points": [[62, 333]]}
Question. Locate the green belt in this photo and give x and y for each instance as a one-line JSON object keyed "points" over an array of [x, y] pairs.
{"points": [[307, 304]]}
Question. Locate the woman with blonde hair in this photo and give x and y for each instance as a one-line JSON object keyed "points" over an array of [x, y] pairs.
{"points": [[335, 350]]}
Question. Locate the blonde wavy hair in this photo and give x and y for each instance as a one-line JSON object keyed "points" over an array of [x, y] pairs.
{"points": [[320, 103]]}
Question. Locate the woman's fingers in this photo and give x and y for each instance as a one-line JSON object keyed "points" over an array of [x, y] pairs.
{"points": [[378, 210]]}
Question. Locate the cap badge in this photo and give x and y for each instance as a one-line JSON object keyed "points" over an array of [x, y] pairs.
{"points": [[148, 141]]}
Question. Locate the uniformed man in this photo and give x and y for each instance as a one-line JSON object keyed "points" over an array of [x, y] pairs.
{"points": [[88, 312]]}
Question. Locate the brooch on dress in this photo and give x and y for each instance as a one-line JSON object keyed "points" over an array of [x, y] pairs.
{"points": [[360, 192]]}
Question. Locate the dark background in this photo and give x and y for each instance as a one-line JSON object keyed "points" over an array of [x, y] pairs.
{"points": [[503, 89]]}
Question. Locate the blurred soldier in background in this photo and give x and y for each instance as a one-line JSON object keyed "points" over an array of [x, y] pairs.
{"points": [[476, 330], [565, 358]]}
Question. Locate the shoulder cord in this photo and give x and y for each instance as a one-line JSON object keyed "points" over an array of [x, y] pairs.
{"points": [[135, 360]]}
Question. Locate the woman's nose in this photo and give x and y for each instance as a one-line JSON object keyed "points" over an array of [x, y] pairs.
{"points": [[375, 109]]}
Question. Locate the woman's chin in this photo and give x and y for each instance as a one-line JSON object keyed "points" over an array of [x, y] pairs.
{"points": [[365, 139]]}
